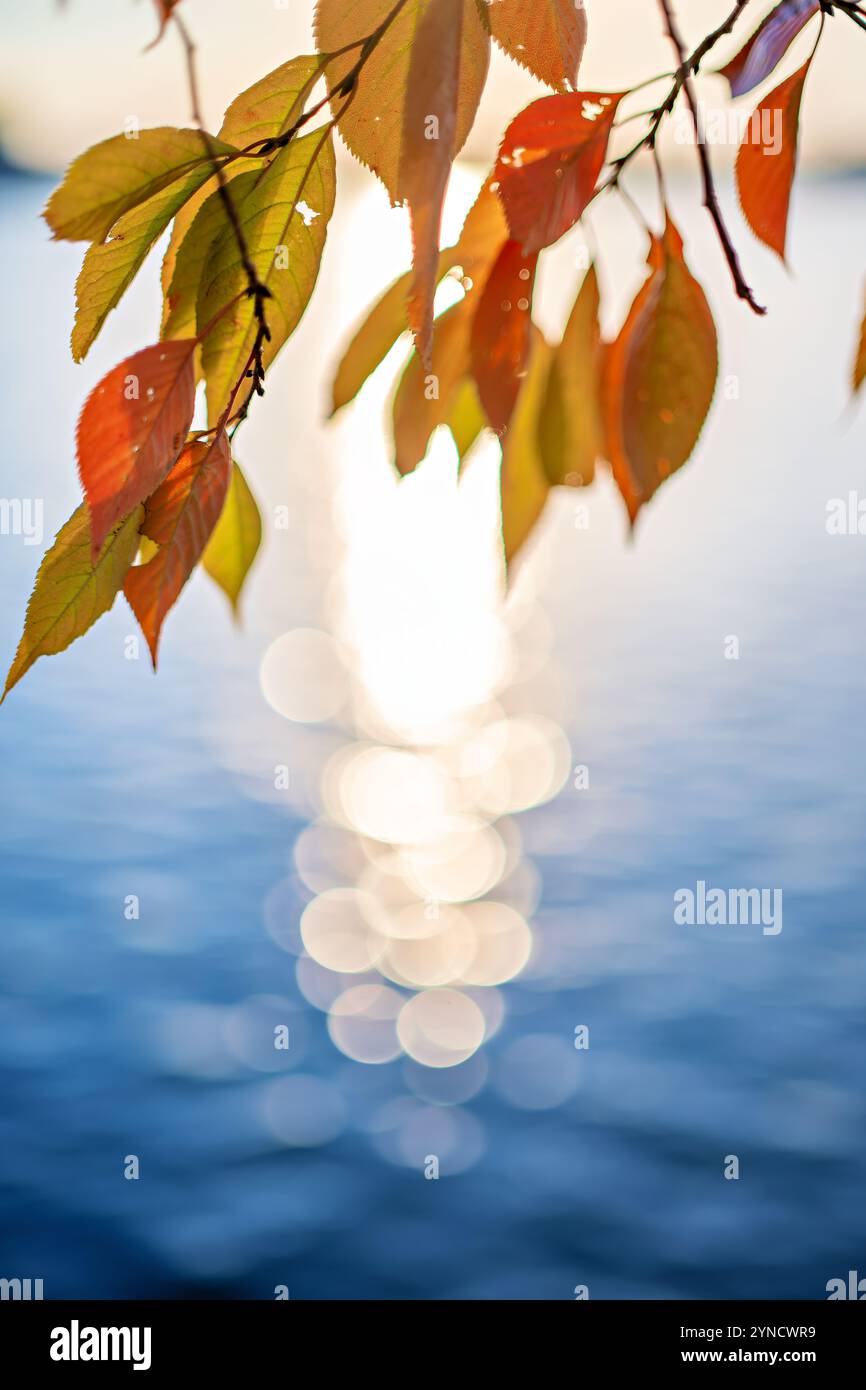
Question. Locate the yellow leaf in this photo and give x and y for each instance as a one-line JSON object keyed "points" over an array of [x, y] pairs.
{"points": [[571, 428], [211, 220], [118, 174], [523, 483], [72, 590], [372, 122], [110, 267], [284, 220], [234, 544], [262, 112], [466, 419]]}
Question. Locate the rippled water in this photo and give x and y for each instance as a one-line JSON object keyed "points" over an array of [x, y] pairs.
{"points": [[558, 1166]]}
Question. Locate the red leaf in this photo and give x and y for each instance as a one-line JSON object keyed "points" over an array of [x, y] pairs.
{"points": [[179, 517], [131, 430], [549, 163], [768, 45], [500, 333], [767, 160]]}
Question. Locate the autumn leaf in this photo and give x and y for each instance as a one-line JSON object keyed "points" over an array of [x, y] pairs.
{"points": [[483, 235], [524, 485], [110, 267], [501, 331], [132, 429], [660, 375], [110, 178], [73, 589], [180, 517], [428, 148], [767, 160], [372, 123], [423, 399], [572, 436], [768, 45], [546, 36], [284, 220], [261, 112], [235, 542], [549, 163], [181, 292]]}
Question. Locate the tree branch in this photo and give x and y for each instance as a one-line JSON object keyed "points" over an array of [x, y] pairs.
{"points": [[711, 201]]}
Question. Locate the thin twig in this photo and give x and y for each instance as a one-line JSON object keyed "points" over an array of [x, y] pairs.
{"points": [[711, 201], [256, 290], [689, 67]]}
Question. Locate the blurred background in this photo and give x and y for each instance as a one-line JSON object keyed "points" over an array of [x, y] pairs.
{"points": [[425, 834]]}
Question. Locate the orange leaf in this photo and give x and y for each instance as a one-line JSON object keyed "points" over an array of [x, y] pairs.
{"points": [[179, 517], [767, 160], [428, 148], [546, 36], [372, 122], [500, 333], [660, 375], [549, 163], [131, 430]]}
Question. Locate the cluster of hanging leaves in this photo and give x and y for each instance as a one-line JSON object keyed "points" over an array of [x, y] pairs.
{"points": [[249, 207]]}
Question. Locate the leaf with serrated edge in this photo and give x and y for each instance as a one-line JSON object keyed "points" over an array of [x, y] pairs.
{"points": [[767, 160], [263, 111], [72, 590], [549, 162], [181, 294], [180, 517], [285, 245], [132, 429], [545, 36], [429, 134], [233, 547], [110, 267], [110, 178], [371, 124]]}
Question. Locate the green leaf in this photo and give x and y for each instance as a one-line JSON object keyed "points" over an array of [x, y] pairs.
{"points": [[118, 174], [110, 267], [285, 243], [181, 292], [235, 542], [262, 112], [72, 590]]}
